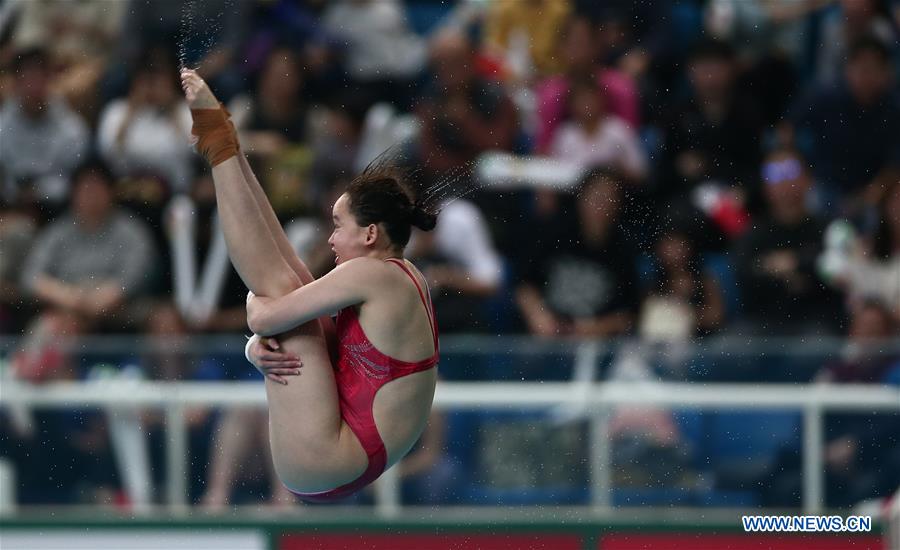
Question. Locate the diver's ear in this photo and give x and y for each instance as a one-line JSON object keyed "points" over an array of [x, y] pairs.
{"points": [[371, 234]]}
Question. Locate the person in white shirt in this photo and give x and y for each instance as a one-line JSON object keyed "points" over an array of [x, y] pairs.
{"points": [[867, 269], [460, 264], [379, 41], [42, 140], [148, 132], [590, 136]]}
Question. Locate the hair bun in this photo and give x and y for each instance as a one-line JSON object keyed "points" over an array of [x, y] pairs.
{"points": [[422, 219]]}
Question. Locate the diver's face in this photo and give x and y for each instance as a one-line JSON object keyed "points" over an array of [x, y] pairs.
{"points": [[348, 240]]}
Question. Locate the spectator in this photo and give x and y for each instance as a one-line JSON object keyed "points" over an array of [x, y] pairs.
{"points": [[782, 294], [461, 266], [525, 34], [581, 280], [873, 273], [861, 450], [208, 35], [89, 269], [867, 358], [854, 20], [761, 28], [646, 41], [578, 48], [336, 145], [648, 448], [43, 139], [462, 114], [148, 132], [715, 134], [591, 136], [273, 123], [274, 115], [681, 301], [17, 232], [79, 38], [60, 456], [382, 55], [773, 43], [295, 25], [850, 130]]}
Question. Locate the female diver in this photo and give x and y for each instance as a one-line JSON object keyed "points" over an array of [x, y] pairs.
{"points": [[368, 379]]}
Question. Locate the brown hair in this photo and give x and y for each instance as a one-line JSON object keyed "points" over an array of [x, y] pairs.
{"points": [[381, 195]]}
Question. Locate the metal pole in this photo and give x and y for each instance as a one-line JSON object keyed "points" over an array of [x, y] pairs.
{"points": [[601, 459], [176, 458], [387, 493], [813, 464]]}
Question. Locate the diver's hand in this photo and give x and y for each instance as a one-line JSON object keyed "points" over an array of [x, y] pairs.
{"points": [[273, 362]]}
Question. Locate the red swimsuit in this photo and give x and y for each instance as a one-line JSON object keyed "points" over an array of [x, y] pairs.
{"points": [[360, 372]]}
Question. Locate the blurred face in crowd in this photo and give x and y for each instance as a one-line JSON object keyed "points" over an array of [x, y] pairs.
{"points": [[787, 183], [155, 87], [614, 31], [586, 105], [711, 78], [868, 76], [341, 127], [155, 83], [281, 79], [92, 199], [870, 323], [673, 250], [453, 60], [599, 204], [578, 46], [32, 86]]}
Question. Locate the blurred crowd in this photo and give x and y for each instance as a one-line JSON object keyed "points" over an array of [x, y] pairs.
{"points": [[680, 170]]}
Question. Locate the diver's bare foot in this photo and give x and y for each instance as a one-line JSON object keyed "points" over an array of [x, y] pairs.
{"points": [[198, 94]]}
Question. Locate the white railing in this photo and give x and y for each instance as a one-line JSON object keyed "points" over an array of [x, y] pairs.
{"points": [[594, 400]]}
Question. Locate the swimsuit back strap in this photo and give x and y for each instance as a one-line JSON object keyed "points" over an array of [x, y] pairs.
{"points": [[429, 307]]}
